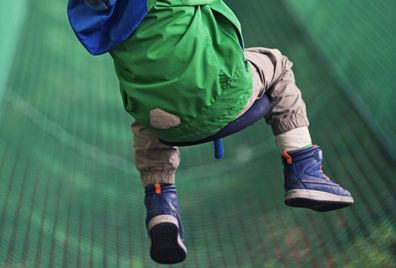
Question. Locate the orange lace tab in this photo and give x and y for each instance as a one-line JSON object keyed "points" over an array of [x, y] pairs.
{"points": [[157, 188], [289, 159]]}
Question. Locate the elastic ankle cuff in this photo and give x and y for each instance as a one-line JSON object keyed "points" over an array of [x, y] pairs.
{"points": [[158, 177], [294, 140]]}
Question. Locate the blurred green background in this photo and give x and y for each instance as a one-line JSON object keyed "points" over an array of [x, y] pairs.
{"points": [[71, 197]]}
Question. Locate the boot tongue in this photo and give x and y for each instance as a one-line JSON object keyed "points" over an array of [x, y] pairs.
{"points": [[313, 151], [319, 155]]}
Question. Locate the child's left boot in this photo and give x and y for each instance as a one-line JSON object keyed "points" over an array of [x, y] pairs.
{"points": [[307, 186], [163, 224]]}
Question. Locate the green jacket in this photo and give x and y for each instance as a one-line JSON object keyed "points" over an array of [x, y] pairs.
{"points": [[185, 60]]}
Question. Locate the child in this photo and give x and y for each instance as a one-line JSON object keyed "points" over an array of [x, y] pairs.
{"points": [[184, 75]]}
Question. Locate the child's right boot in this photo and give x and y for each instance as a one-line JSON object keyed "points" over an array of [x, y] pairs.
{"points": [[307, 186]]}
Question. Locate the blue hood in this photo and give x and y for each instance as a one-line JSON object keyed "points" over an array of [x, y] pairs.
{"points": [[101, 31]]}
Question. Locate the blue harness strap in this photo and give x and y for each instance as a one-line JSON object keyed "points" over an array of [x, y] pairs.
{"points": [[218, 149], [102, 30], [259, 110]]}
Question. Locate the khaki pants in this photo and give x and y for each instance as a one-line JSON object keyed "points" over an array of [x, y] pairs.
{"points": [[272, 75]]}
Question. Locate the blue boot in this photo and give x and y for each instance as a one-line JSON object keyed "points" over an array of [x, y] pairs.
{"points": [[307, 186], [164, 225]]}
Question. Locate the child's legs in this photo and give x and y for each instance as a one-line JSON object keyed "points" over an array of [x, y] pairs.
{"points": [[272, 75], [156, 162]]}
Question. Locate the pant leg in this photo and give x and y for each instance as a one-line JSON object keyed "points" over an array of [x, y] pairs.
{"points": [[156, 162], [273, 75]]}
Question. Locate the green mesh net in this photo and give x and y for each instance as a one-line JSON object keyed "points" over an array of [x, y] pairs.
{"points": [[71, 197]]}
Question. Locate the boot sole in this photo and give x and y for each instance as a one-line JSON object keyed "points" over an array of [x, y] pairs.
{"points": [[166, 245], [316, 200]]}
